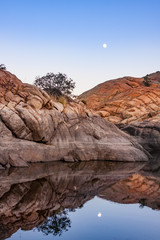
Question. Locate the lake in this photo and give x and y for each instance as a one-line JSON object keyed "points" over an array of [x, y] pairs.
{"points": [[87, 200]]}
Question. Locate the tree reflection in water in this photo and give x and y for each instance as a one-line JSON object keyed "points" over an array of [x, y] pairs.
{"points": [[56, 225]]}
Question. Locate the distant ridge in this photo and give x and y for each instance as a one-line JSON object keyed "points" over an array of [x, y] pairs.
{"points": [[126, 99]]}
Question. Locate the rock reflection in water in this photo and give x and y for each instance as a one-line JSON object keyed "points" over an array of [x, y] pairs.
{"points": [[41, 195]]}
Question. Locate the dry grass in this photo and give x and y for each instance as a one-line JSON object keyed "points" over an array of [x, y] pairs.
{"points": [[62, 99]]}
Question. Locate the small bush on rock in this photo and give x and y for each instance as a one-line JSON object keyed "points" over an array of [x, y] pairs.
{"points": [[147, 81]]}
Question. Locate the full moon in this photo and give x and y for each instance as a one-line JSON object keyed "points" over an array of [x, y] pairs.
{"points": [[104, 45], [99, 214]]}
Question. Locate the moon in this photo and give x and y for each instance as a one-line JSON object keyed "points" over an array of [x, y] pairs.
{"points": [[99, 214], [104, 45]]}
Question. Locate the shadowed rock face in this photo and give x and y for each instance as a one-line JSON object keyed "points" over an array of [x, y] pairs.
{"points": [[146, 133], [126, 100], [34, 128], [29, 195]]}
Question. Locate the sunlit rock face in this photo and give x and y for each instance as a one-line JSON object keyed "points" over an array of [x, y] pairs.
{"points": [[29, 195], [126, 100], [132, 106], [35, 128]]}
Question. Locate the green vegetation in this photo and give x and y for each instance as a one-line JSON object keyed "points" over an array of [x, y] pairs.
{"points": [[147, 81], [3, 67], [55, 84]]}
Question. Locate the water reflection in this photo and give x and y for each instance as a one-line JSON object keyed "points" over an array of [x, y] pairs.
{"points": [[41, 195], [56, 225]]}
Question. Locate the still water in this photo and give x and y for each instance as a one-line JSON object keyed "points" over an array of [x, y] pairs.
{"points": [[94, 200]]}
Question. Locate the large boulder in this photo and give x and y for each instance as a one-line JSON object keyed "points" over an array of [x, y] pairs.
{"points": [[35, 128]]}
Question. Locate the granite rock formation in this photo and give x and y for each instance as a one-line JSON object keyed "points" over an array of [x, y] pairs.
{"points": [[131, 105], [146, 133], [36, 128], [126, 100]]}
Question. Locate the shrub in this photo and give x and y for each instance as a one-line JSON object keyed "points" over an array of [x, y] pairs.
{"points": [[58, 84], [3, 67], [147, 81]]}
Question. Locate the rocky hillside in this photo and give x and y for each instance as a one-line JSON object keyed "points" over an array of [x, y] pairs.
{"points": [[126, 100], [35, 128]]}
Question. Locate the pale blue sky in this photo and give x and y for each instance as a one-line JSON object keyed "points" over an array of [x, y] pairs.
{"points": [[40, 36]]}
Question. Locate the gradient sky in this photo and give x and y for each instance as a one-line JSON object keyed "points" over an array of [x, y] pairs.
{"points": [[41, 36]]}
